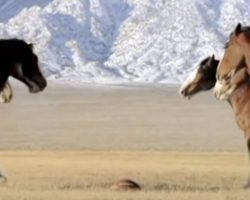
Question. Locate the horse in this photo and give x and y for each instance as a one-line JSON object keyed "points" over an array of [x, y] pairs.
{"points": [[204, 78], [18, 60], [6, 94], [236, 56]]}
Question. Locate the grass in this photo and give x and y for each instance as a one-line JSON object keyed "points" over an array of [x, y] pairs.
{"points": [[133, 133], [35, 175]]}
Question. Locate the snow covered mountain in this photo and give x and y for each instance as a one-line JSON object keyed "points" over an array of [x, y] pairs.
{"points": [[122, 41]]}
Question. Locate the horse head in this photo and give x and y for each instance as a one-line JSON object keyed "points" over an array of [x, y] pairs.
{"points": [[201, 79], [234, 59], [27, 69], [243, 39]]}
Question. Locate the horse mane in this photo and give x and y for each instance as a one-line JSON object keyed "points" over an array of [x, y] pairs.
{"points": [[204, 61], [31, 45]]}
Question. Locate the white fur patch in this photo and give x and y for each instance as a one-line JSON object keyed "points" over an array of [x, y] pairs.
{"points": [[189, 80], [221, 91], [2, 98], [217, 87]]}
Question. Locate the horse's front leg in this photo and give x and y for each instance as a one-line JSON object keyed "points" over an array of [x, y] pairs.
{"points": [[5, 89], [247, 186], [6, 94], [3, 80]]}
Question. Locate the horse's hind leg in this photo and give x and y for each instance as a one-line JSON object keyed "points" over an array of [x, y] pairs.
{"points": [[247, 186]]}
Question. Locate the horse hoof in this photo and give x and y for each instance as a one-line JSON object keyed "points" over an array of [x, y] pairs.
{"points": [[126, 185]]}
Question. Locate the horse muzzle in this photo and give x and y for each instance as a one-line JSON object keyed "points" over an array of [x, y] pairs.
{"points": [[36, 86]]}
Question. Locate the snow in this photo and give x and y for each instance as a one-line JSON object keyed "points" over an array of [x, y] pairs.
{"points": [[122, 41]]}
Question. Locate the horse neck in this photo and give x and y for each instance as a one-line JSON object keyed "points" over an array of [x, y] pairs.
{"points": [[248, 63], [240, 97]]}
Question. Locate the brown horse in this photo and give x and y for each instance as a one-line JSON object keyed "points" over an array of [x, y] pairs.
{"points": [[239, 99], [202, 78], [236, 56]]}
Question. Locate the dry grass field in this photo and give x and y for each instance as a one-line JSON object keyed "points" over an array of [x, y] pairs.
{"points": [[74, 143], [80, 175]]}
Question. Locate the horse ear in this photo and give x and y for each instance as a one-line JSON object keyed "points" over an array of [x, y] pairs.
{"points": [[238, 29], [31, 46], [212, 58]]}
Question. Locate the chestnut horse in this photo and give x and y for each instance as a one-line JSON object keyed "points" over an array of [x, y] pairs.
{"points": [[236, 56], [18, 60], [204, 78]]}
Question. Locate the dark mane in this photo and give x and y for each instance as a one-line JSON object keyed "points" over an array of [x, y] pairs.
{"points": [[226, 45], [15, 45], [203, 62]]}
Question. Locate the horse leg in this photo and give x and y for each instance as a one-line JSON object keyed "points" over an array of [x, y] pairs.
{"points": [[6, 94], [3, 80], [247, 186]]}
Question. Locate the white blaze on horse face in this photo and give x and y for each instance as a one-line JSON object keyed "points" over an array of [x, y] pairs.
{"points": [[190, 79]]}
